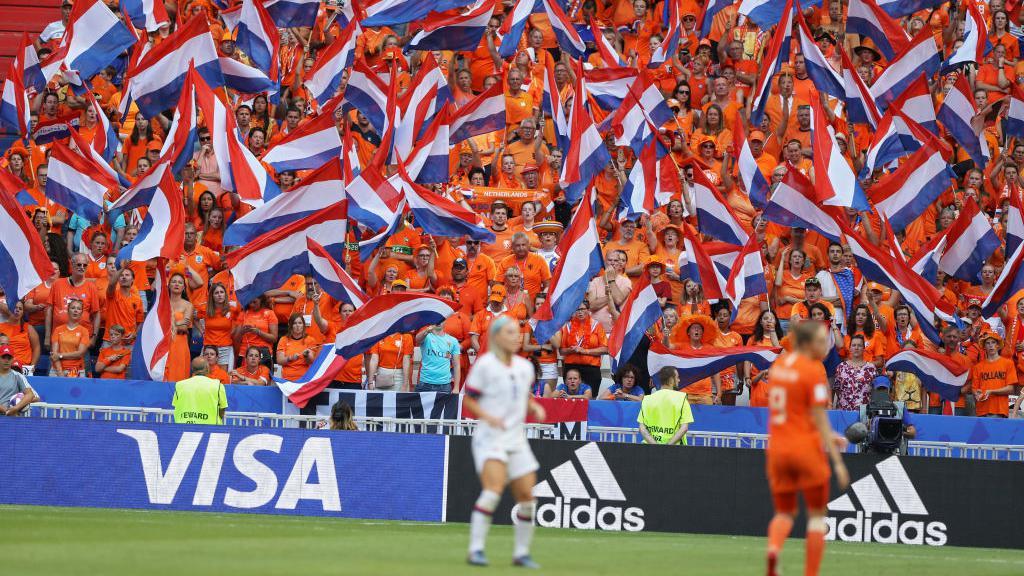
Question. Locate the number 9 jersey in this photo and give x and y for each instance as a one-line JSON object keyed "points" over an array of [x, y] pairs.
{"points": [[796, 455]]}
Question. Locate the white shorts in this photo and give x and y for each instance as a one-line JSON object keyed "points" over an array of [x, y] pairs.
{"points": [[549, 371], [519, 460]]}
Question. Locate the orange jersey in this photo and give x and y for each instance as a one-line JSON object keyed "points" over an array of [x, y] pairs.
{"points": [[114, 357], [391, 350], [67, 340], [795, 454], [989, 375]]}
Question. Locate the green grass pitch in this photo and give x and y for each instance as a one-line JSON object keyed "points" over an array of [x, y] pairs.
{"points": [[88, 541]]}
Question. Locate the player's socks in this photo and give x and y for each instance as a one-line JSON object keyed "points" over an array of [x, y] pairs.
{"points": [[480, 519], [524, 528], [778, 530], [815, 546]]}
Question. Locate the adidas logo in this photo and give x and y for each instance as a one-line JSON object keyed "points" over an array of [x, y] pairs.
{"points": [[880, 518], [583, 488]]}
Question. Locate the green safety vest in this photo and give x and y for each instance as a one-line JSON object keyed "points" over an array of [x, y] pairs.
{"points": [[198, 400], [663, 412]]}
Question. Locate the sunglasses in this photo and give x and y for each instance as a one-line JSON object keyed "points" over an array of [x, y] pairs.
{"points": [[472, 241]]}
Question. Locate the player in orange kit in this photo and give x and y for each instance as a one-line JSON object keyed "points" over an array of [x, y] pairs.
{"points": [[798, 435]]}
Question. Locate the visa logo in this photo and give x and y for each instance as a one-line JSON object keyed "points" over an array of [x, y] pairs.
{"points": [[162, 485]]}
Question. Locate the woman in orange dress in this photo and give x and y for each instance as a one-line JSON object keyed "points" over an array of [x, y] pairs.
{"points": [[179, 359]]}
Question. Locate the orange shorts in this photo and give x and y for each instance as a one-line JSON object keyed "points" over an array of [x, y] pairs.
{"points": [[815, 498], [793, 471]]}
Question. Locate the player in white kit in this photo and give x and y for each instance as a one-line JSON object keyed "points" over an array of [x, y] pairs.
{"points": [[498, 393]]}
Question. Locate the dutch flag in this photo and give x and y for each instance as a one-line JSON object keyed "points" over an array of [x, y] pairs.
{"points": [[24, 263], [146, 15], [334, 280], [864, 17], [258, 37], [77, 182], [153, 340], [95, 38], [778, 51], [938, 373], [714, 215], [323, 79], [308, 147], [956, 114], [458, 32], [639, 312], [163, 229], [904, 194], [484, 114], [696, 365], [970, 241], [921, 56], [390, 314]]}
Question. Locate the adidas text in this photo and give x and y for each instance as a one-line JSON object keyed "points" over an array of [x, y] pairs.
{"points": [[588, 515], [885, 529]]}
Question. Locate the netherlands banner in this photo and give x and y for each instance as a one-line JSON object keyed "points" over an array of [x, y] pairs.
{"points": [[334, 280], [866, 18], [921, 56], [696, 365], [323, 79], [905, 193], [308, 147], [970, 240], [153, 340], [484, 114], [162, 232], [458, 32], [77, 182], [714, 215], [24, 263]]}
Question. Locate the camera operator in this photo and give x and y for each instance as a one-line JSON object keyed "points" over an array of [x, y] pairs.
{"points": [[888, 423]]}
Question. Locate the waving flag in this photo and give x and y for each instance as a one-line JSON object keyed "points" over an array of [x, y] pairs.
{"points": [[1014, 224], [157, 77], [609, 54], [897, 136], [106, 141], [904, 194], [669, 47], [428, 162], [1010, 282], [368, 246], [824, 77], [332, 277], [969, 242], [754, 181], [938, 372], [308, 147], [796, 202], [245, 79], [898, 8], [267, 262], [27, 60], [319, 375], [645, 188], [551, 104], [512, 27], [638, 313], [11, 184], [860, 104], [581, 260], [746, 279], [921, 56], [587, 155], [153, 340], [926, 261], [240, 171], [319, 190], [24, 263], [458, 32], [710, 11], [864, 17], [293, 13], [697, 265], [258, 38], [834, 177], [1013, 124], [367, 93], [642, 112], [373, 199], [956, 113], [438, 216], [95, 37], [15, 111], [696, 365], [323, 79], [76, 182], [778, 51], [390, 314], [162, 232], [975, 41], [484, 114], [148, 15], [391, 12], [565, 31], [915, 102], [714, 215], [419, 106], [179, 147], [879, 266], [607, 86]]}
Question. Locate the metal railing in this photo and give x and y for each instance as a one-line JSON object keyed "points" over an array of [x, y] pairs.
{"points": [[267, 420], [466, 427]]}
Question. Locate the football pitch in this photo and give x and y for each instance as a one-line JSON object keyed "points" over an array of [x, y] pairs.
{"points": [[59, 541]]}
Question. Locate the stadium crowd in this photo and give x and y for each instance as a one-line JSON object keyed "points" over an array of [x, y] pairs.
{"points": [[82, 321]]}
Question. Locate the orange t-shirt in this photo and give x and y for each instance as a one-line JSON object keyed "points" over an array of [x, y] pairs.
{"points": [[106, 357], [217, 328], [20, 344], [62, 292], [290, 347], [502, 245], [482, 271], [218, 373], [38, 295], [991, 375], [586, 334], [392, 349], [792, 286], [125, 311], [68, 340], [296, 283], [874, 347], [728, 341], [797, 384], [261, 373], [533, 268], [262, 319]]}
